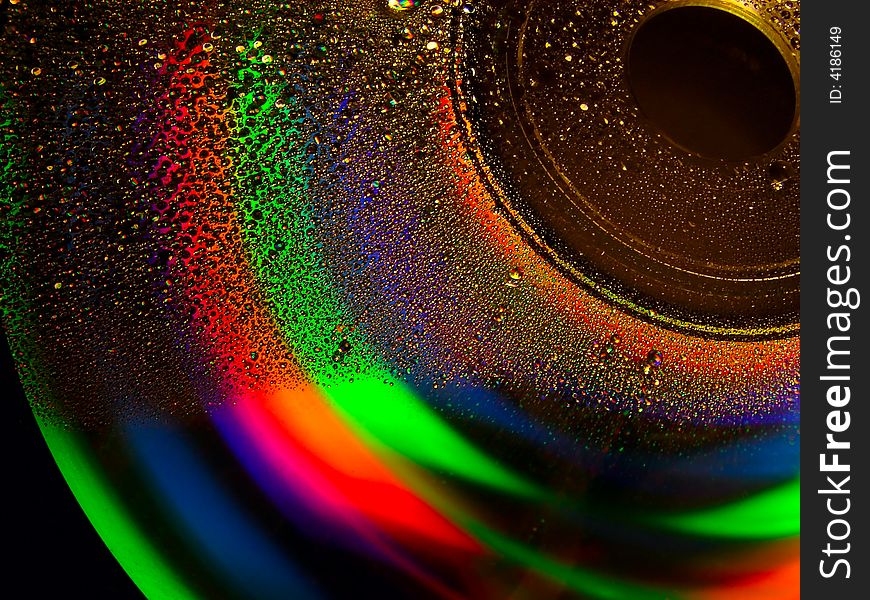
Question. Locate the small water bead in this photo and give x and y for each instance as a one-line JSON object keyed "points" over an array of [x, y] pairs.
{"points": [[342, 350], [602, 351], [779, 173], [499, 314], [654, 358]]}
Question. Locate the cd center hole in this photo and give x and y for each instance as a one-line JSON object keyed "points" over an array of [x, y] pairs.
{"points": [[712, 83]]}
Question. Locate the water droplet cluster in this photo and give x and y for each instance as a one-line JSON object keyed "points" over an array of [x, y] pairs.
{"points": [[218, 207], [303, 188], [553, 124]]}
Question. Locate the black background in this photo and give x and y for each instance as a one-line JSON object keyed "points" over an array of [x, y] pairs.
{"points": [[52, 551]]}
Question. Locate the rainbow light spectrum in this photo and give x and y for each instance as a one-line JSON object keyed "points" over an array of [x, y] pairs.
{"points": [[282, 342]]}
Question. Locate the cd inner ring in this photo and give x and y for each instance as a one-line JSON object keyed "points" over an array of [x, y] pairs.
{"points": [[715, 79], [709, 245]]}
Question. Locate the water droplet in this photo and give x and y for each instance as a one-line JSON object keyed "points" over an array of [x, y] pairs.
{"points": [[779, 173], [654, 358], [499, 314]]}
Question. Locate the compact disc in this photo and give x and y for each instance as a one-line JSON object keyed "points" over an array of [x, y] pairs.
{"points": [[410, 299]]}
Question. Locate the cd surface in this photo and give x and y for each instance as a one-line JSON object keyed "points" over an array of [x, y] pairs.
{"points": [[409, 299]]}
